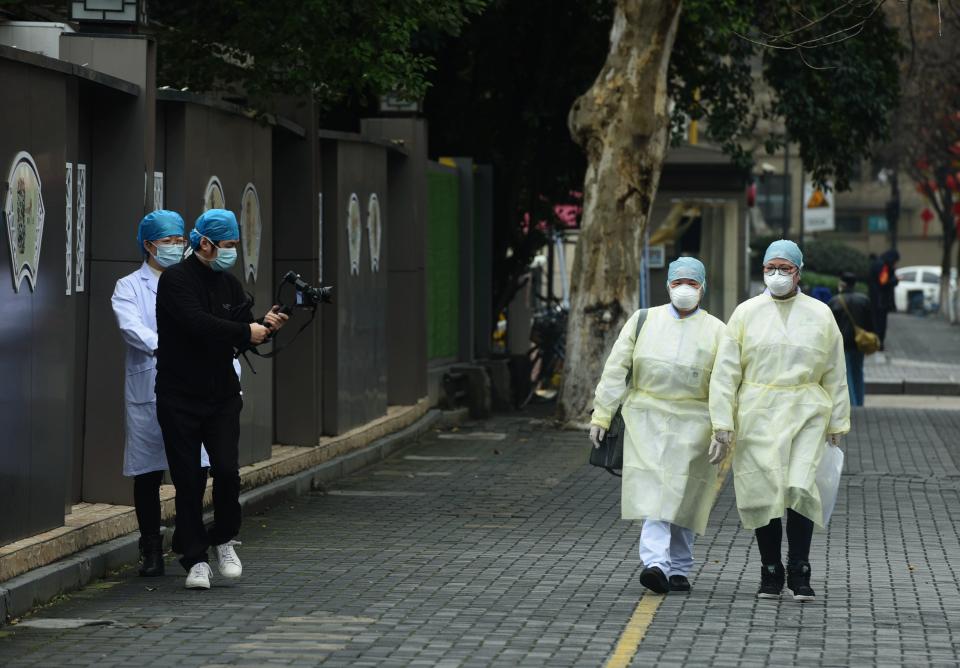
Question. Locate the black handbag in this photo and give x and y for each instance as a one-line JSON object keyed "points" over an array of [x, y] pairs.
{"points": [[609, 455]]}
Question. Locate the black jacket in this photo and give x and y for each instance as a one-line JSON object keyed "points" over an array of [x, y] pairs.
{"points": [[202, 315], [860, 310]]}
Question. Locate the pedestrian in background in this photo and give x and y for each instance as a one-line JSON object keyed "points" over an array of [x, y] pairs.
{"points": [[668, 480], [882, 281], [778, 394], [134, 301], [203, 316], [852, 309]]}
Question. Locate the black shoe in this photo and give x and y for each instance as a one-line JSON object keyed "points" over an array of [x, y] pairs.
{"points": [[653, 579], [679, 583], [798, 581], [151, 555], [771, 581]]}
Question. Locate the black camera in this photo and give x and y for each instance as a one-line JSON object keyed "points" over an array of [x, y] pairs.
{"points": [[307, 295]]}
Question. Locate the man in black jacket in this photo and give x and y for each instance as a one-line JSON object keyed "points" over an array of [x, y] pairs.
{"points": [[203, 315], [881, 283], [851, 308]]}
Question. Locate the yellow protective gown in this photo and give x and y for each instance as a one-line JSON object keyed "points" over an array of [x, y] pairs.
{"points": [[779, 383], [666, 474]]}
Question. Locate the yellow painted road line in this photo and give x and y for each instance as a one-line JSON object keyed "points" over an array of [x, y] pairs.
{"points": [[636, 628]]}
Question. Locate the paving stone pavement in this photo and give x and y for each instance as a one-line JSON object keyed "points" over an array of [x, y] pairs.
{"points": [[918, 349], [485, 552]]}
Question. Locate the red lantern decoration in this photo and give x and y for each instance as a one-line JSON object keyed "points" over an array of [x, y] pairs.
{"points": [[951, 182], [926, 215], [752, 195], [956, 208]]}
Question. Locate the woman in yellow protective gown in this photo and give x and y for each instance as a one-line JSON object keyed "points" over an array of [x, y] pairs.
{"points": [[779, 394], [668, 479]]}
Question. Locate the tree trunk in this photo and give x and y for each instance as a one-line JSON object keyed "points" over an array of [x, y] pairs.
{"points": [[894, 207], [622, 123]]}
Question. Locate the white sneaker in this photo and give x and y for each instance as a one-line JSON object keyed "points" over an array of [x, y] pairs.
{"points": [[227, 560], [199, 576]]}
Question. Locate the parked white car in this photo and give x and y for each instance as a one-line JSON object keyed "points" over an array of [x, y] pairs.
{"points": [[925, 278]]}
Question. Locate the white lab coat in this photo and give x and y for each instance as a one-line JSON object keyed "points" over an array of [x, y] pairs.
{"points": [[135, 306]]}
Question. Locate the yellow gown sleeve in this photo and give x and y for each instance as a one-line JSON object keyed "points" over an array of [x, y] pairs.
{"points": [[613, 381], [726, 376], [834, 381]]}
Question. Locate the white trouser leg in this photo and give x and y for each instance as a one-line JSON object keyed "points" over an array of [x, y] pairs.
{"points": [[681, 550], [655, 545]]}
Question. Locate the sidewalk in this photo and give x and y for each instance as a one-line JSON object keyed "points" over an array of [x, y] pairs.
{"points": [[922, 356], [496, 545]]}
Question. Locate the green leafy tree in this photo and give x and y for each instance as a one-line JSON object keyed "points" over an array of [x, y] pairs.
{"points": [[328, 49]]}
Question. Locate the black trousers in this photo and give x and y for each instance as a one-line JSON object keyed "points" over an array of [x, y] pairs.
{"points": [[186, 423], [799, 535], [146, 501]]}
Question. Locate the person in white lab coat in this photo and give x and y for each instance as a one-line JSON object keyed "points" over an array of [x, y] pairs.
{"points": [[160, 237]]}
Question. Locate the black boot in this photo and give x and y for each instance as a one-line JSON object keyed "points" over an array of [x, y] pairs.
{"points": [[151, 555], [771, 581], [798, 581]]}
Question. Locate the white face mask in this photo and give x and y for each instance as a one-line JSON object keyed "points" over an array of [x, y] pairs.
{"points": [[684, 297], [779, 285]]}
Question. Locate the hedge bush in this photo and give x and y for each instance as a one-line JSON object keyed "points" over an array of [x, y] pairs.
{"points": [[820, 256]]}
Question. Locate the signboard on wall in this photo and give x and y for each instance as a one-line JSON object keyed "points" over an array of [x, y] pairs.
{"points": [[24, 213], [354, 234], [213, 195], [374, 230], [818, 214], [68, 221], [657, 256], [157, 191], [251, 229], [81, 238]]}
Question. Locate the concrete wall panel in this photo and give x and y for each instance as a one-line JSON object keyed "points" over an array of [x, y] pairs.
{"points": [[354, 332], [36, 399], [406, 240]]}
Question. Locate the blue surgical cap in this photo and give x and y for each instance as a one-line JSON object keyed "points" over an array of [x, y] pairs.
{"points": [[158, 225], [785, 250], [215, 225], [687, 267]]}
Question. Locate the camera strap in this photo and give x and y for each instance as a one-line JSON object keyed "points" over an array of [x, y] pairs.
{"points": [[276, 347]]}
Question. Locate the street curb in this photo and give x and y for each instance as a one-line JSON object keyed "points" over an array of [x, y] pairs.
{"points": [[25, 592], [923, 387]]}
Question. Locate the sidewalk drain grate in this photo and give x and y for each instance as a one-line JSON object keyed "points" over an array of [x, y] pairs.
{"points": [[64, 623], [428, 458], [363, 492], [474, 436]]}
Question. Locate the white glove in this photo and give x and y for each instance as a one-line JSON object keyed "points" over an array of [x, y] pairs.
{"points": [[596, 434], [834, 439], [718, 449]]}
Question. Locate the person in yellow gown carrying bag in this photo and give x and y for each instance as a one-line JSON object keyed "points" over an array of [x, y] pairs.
{"points": [[668, 478], [779, 397]]}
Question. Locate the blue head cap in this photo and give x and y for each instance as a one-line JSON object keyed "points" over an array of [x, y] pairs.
{"points": [[215, 225], [785, 250], [158, 225], [687, 267]]}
